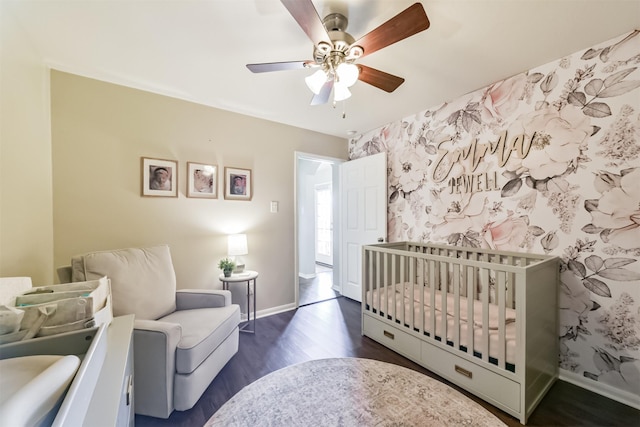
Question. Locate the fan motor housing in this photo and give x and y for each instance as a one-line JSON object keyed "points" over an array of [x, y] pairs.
{"points": [[335, 24]]}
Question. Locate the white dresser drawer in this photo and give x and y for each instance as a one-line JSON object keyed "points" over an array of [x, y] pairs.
{"points": [[490, 386], [392, 337]]}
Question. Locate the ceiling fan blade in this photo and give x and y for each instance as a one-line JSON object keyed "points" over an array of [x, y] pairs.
{"points": [[307, 17], [405, 24], [380, 79], [323, 96], [278, 66]]}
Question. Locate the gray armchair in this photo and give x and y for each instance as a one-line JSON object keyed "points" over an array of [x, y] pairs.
{"points": [[182, 338]]}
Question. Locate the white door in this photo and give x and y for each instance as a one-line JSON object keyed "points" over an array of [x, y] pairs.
{"points": [[363, 183]]}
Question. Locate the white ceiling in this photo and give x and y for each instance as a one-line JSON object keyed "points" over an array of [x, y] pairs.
{"points": [[197, 50]]}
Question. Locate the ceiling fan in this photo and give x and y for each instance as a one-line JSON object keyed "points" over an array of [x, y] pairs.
{"points": [[335, 51]]}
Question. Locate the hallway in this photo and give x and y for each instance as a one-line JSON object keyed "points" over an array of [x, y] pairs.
{"points": [[319, 288]]}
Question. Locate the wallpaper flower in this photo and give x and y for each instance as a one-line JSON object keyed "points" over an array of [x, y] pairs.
{"points": [[547, 161]]}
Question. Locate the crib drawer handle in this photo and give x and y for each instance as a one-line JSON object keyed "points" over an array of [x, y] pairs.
{"points": [[464, 372], [388, 334]]}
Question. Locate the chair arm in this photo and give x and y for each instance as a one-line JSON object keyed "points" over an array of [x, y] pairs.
{"points": [[64, 273], [189, 299], [154, 354]]}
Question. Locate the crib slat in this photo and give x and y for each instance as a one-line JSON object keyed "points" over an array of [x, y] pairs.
{"points": [[444, 284], [375, 292], [511, 288], [387, 281], [414, 285], [371, 278], [403, 292], [485, 313], [400, 297], [456, 306], [471, 286], [366, 277], [391, 288], [423, 275], [375, 273], [383, 284], [502, 343], [432, 298]]}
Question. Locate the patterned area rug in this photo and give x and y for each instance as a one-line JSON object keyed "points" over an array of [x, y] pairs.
{"points": [[350, 392]]}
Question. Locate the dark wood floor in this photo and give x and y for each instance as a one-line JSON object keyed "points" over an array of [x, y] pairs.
{"points": [[320, 288], [332, 329]]}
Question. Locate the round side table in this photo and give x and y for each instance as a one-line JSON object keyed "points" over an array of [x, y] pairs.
{"points": [[247, 276]]}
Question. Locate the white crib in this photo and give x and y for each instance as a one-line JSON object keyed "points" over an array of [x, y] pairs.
{"points": [[485, 320]]}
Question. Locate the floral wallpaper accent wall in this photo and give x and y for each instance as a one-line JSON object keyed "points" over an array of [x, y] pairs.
{"points": [[547, 161]]}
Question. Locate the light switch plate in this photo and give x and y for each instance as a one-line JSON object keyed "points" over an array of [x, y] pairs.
{"points": [[274, 207]]}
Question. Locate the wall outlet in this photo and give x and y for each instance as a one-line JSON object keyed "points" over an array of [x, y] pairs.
{"points": [[274, 207]]}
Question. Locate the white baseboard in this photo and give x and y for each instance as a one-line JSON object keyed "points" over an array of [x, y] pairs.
{"points": [[618, 395], [275, 310], [307, 276]]}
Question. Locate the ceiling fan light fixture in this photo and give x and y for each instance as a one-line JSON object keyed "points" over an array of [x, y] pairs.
{"points": [[316, 80], [340, 91], [348, 73], [335, 50]]}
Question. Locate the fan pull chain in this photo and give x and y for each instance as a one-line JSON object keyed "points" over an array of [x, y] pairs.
{"points": [[344, 107]]}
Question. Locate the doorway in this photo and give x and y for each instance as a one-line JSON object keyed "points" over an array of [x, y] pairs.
{"points": [[317, 205], [324, 224]]}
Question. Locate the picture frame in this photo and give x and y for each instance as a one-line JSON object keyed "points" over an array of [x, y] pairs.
{"points": [[202, 180], [238, 184], [159, 177]]}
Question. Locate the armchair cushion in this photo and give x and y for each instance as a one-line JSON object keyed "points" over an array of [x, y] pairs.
{"points": [[143, 281], [203, 330]]}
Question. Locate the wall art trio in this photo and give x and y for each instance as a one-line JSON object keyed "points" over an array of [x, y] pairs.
{"points": [[159, 178]]}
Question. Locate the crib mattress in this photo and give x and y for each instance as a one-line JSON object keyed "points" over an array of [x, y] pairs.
{"points": [[397, 307]]}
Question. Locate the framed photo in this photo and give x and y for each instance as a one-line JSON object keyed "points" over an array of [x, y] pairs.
{"points": [[159, 177], [202, 180], [237, 184]]}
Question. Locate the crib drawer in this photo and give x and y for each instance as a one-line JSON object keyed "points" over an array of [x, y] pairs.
{"points": [[392, 337], [482, 382]]}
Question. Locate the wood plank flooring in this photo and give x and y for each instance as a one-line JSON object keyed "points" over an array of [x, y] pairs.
{"points": [[317, 289], [332, 329]]}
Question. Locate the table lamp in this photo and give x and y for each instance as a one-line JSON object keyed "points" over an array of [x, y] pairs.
{"points": [[237, 247]]}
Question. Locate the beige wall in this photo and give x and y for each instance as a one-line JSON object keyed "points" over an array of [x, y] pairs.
{"points": [[26, 233], [99, 133]]}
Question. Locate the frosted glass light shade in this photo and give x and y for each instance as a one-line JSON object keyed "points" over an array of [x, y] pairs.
{"points": [[340, 92], [316, 80], [348, 74], [237, 245]]}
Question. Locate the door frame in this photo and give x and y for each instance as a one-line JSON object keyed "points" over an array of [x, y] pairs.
{"points": [[337, 210]]}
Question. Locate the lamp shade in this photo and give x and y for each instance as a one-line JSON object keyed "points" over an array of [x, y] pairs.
{"points": [[348, 73], [237, 245], [316, 80], [340, 91]]}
